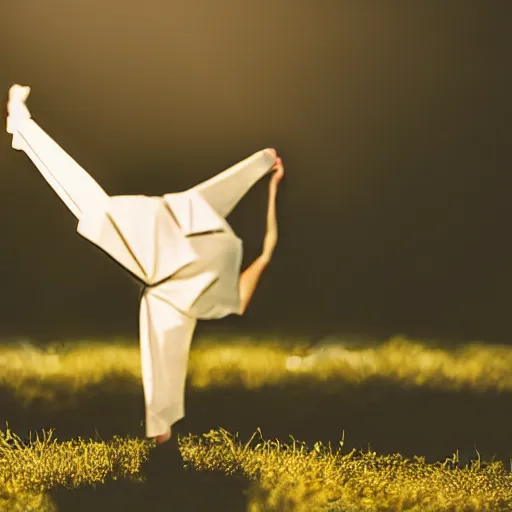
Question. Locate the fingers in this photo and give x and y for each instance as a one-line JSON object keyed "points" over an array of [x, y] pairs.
{"points": [[279, 168], [279, 171]]}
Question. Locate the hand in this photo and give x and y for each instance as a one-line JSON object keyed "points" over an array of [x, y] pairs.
{"points": [[279, 173], [17, 111]]}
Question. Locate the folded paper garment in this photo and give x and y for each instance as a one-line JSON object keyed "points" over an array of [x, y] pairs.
{"points": [[178, 245]]}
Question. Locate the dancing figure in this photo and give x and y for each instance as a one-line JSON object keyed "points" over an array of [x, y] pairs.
{"points": [[179, 246]]}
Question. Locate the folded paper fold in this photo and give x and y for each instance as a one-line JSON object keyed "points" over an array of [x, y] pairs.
{"points": [[179, 246]]}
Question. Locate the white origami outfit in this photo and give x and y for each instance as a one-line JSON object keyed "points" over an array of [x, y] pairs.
{"points": [[178, 245]]}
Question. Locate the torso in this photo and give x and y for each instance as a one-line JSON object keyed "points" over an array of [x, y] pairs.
{"points": [[221, 254]]}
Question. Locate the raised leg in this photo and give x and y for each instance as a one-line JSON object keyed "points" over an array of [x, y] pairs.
{"points": [[79, 191], [165, 338], [224, 191]]}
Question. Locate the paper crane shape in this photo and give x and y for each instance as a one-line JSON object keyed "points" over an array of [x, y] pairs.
{"points": [[179, 246]]}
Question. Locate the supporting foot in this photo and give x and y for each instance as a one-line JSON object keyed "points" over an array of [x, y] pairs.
{"points": [[162, 438]]}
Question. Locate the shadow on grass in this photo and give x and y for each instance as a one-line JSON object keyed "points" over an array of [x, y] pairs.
{"points": [[386, 416], [168, 486]]}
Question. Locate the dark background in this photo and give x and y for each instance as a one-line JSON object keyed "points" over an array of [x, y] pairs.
{"points": [[392, 118]]}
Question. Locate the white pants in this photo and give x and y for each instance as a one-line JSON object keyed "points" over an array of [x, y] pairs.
{"points": [[164, 351]]}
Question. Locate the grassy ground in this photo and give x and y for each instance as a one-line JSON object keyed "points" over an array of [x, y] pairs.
{"points": [[292, 477], [403, 397], [40, 373], [29, 470]]}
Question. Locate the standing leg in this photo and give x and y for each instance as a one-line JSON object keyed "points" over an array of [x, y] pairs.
{"points": [[224, 191], [72, 183], [165, 338]]}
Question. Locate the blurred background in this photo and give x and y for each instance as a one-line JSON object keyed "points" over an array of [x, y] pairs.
{"points": [[392, 118]]}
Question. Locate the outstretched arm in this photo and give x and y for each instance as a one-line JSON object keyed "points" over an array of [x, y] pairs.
{"points": [[251, 276]]}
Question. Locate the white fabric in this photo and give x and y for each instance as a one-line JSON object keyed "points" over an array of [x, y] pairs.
{"points": [[224, 191], [70, 181], [165, 336], [178, 245]]}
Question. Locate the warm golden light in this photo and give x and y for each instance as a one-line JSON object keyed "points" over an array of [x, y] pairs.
{"points": [[252, 364], [293, 477]]}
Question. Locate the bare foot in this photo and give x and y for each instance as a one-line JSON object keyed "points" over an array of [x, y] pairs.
{"points": [[162, 438]]}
